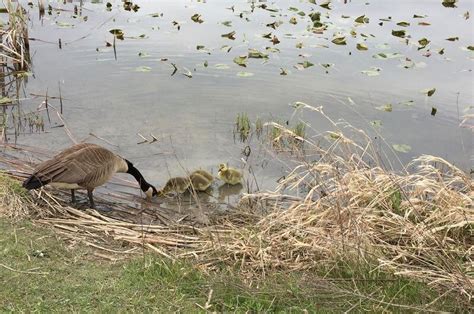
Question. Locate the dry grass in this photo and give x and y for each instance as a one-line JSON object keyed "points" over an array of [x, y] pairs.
{"points": [[338, 203], [14, 47]]}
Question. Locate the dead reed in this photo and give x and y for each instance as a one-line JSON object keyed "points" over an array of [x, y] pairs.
{"points": [[338, 203], [14, 46]]}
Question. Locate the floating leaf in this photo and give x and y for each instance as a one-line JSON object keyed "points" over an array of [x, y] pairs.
{"points": [[376, 123], [387, 108], [407, 103], [326, 5], [293, 21], [226, 48], [452, 38], [429, 92], [272, 49], [275, 24], [423, 43], [433, 111], [241, 60], [373, 71], [387, 55], [417, 16], [449, 3], [221, 66], [340, 40], [283, 71], [116, 32], [362, 46], [64, 24], [254, 53], [399, 33], [197, 18], [227, 23], [143, 69], [230, 35], [275, 40], [362, 19], [402, 148], [245, 74], [143, 55], [299, 45], [303, 65], [424, 23], [403, 24], [187, 73]]}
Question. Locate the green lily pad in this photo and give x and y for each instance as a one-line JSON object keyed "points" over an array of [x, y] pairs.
{"points": [[197, 18], [399, 33], [362, 19], [402, 148], [221, 66], [376, 123], [340, 40], [303, 65], [254, 53], [386, 108], [245, 74], [362, 46], [230, 35], [429, 92], [403, 24], [373, 71], [241, 60], [142, 69], [64, 24]]}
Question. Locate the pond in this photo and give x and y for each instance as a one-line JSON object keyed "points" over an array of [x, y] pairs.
{"points": [[175, 75]]}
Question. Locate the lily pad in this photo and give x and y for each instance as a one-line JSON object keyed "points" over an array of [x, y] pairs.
{"points": [[254, 53], [399, 33], [221, 66], [402, 148], [230, 35], [340, 40], [245, 74], [142, 69], [386, 107], [403, 24], [362, 19], [241, 60], [373, 71], [429, 92], [303, 65], [197, 18], [362, 46]]}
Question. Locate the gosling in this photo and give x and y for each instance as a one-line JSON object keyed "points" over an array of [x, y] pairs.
{"points": [[176, 185], [229, 175], [201, 180]]}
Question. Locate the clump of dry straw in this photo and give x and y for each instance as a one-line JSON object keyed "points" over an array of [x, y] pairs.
{"points": [[339, 202]]}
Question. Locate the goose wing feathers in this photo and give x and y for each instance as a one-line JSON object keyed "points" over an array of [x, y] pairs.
{"points": [[88, 165]]}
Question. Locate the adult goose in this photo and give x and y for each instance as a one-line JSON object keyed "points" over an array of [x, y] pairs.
{"points": [[84, 166]]}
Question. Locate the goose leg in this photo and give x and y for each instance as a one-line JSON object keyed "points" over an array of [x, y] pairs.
{"points": [[73, 196], [91, 198]]}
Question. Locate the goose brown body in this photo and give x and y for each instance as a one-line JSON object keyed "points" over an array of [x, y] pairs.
{"points": [[83, 166]]}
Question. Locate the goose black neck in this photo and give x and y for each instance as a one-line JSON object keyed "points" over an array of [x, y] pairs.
{"points": [[144, 186]]}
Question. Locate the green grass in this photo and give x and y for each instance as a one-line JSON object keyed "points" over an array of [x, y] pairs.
{"points": [[79, 281]]}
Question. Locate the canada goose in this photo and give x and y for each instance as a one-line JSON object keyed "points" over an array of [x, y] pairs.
{"points": [[229, 175], [175, 185], [84, 166], [200, 181]]}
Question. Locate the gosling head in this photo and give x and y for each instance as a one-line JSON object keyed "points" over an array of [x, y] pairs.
{"points": [[222, 167]]}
